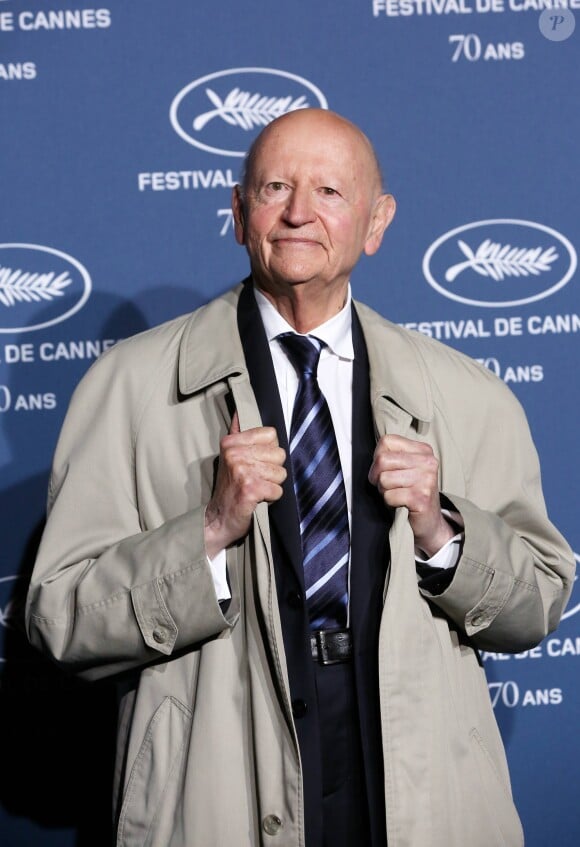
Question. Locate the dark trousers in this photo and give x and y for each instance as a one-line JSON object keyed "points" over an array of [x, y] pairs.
{"points": [[344, 801]]}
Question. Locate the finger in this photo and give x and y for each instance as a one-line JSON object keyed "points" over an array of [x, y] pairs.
{"points": [[248, 464], [269, 455], [266, 435], [386, 459], [395, 497], [423, 464], [267, 483], [248, 488], [273, 473], [400, 478], [400, 444], [253, 455], [259, 435], [274, 493]]}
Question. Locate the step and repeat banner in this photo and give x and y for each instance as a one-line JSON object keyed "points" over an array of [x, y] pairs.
{"points": [[122, 131]]}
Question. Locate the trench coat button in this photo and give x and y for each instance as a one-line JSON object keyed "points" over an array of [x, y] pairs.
{"points": [[477, 620], [299, 708], [294, 599], [272, 824], [160, 636]]}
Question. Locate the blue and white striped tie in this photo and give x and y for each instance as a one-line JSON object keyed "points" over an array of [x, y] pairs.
{"points": [[319, 489]]}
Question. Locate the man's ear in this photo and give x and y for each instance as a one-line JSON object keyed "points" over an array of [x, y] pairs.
{"points": [[238, 212], [383, 214]]}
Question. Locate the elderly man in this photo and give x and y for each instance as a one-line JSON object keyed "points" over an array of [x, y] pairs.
{"points": [[288, 525]]}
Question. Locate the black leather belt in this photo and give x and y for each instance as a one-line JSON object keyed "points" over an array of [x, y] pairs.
{"points": [[330, 646]]}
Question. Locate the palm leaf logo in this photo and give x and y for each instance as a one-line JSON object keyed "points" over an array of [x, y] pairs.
{"points": [[245, 110], [22, 287], [498, 261]]}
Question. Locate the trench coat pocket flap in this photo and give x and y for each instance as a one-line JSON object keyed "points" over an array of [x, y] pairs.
{"points": [[153, 769]]}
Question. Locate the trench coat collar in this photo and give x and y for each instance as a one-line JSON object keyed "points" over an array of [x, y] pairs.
{"points": [[211, 350], [399, 376]]}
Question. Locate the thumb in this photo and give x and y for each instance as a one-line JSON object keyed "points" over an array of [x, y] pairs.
{"points": [[235, 424]]}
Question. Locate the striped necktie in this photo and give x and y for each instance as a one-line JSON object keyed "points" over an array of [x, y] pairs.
{"points": [[319, 490]]}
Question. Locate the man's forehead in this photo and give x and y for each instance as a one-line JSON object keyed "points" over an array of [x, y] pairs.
{"points": [[294, 158], [311, 139]]}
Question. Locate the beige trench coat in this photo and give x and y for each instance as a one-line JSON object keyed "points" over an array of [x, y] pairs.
{"points": [[207, 750]]}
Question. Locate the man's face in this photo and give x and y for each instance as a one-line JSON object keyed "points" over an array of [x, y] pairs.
{"points": [[310, 204]]}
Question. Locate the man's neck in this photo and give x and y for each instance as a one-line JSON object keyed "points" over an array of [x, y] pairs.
{"points": [[305, 308]]}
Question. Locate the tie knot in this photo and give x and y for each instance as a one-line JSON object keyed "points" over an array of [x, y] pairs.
{"points": [[303, 351]]}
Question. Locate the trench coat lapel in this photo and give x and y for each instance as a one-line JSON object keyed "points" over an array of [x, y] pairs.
{"points": [[370, 518], [399, 384], [282, 514], [402, 404], [203, 363]]}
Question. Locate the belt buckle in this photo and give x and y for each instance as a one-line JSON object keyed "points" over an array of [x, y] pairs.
{"points": [[324, 648]]}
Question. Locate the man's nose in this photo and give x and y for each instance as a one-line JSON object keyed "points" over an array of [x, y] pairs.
{"points": [[299, 209]]}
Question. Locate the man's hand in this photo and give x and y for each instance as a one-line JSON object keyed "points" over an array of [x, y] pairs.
{"points": [[250, 471], [405, 473]]}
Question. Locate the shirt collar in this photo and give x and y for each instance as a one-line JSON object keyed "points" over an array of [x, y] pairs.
{"points": [[336, 332]]}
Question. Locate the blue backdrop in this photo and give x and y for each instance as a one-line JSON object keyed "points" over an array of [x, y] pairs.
{"points": [[122, 130]]}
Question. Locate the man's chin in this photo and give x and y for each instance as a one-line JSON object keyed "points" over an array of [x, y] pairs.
{"points": [[285, 278]]}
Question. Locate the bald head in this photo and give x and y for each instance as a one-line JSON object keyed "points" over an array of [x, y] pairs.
{"points": [[311, 204], [320, 126]]}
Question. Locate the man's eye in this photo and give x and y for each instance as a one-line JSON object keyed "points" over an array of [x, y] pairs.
{"points": [[326, 189], [276, 186]]}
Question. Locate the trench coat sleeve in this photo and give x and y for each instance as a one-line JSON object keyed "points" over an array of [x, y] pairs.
{"points": [[516, 571], [109, 593]]}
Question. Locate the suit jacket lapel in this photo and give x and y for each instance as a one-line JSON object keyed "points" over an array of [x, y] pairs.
{"points": [[371, 519]]}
